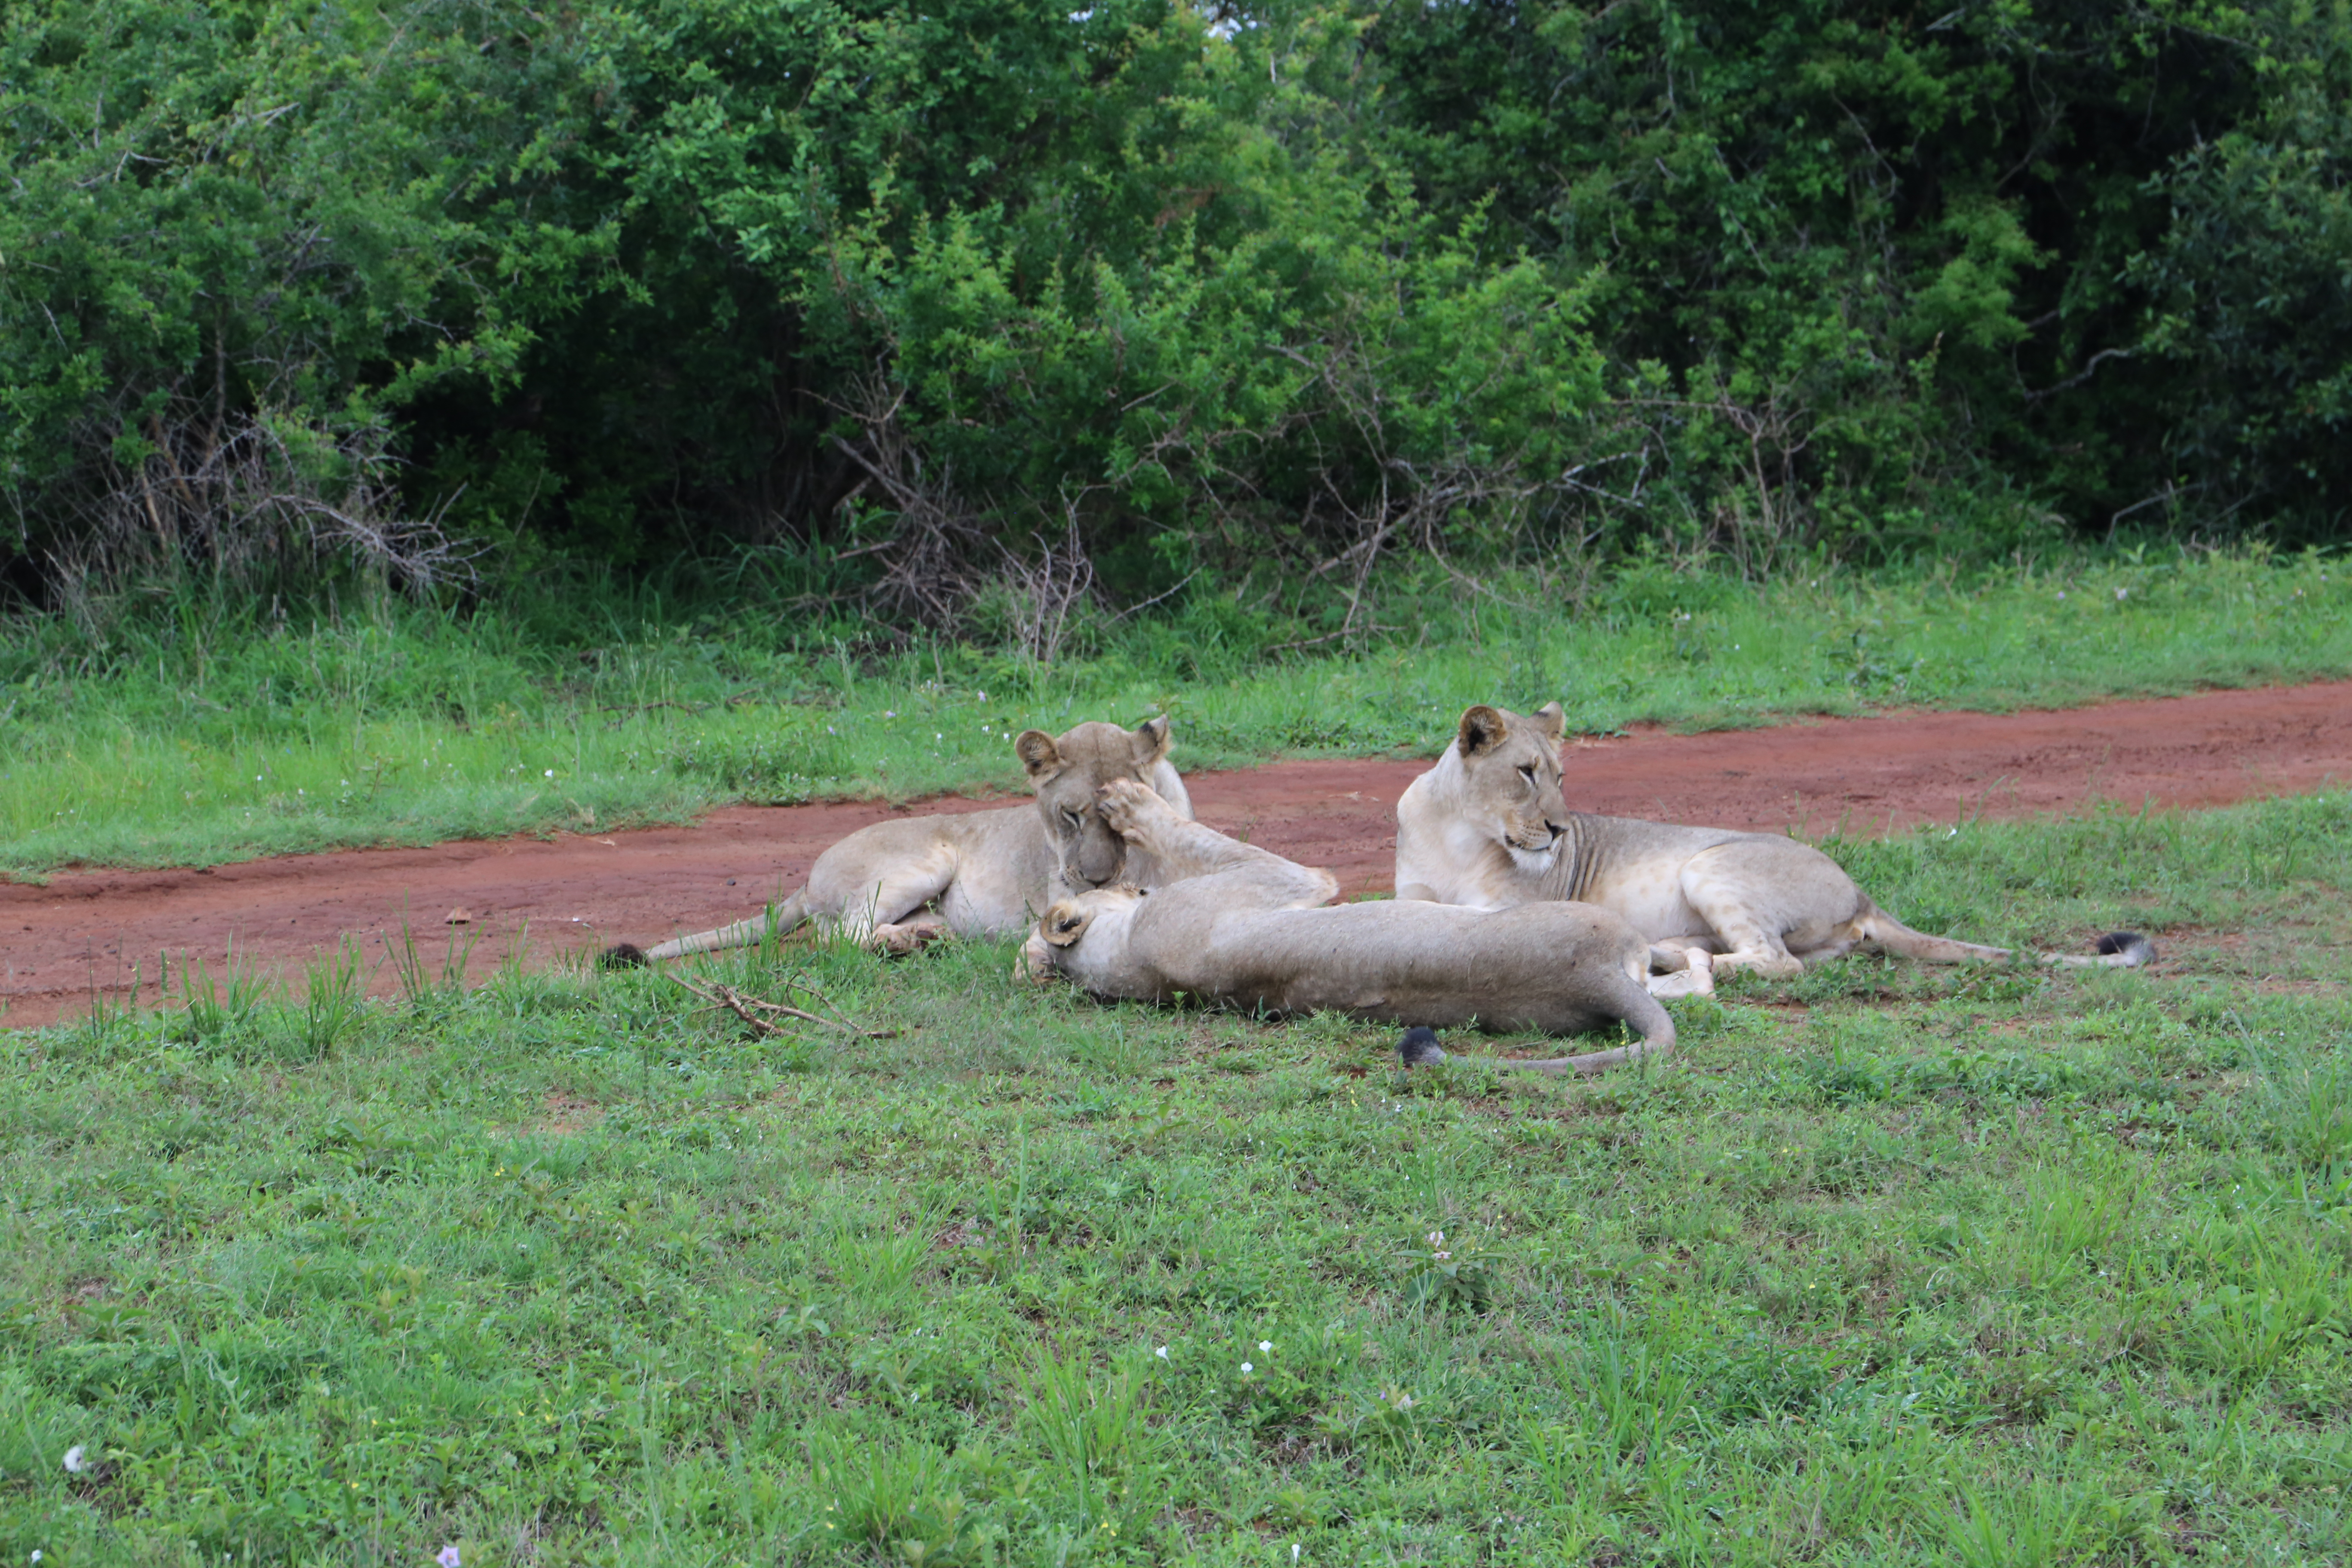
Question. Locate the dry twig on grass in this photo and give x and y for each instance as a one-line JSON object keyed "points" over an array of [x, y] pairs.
{"points": [[762, 1014]]}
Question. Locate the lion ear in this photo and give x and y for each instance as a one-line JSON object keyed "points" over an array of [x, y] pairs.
{"points": [[1038, 754], [1064, 923], [1551, 720], [1482, 729], [1150, 741]]}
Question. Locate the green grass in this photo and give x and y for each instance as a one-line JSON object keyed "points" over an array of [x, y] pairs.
{"points": [[1889, 1265], [186, 742]]}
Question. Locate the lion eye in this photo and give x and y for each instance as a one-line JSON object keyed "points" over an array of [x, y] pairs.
{"points": [[1071, 817], [1528, 774]]}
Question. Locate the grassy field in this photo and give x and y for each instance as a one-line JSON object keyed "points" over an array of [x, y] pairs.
{"points": [[188, 742], [1888, 1265]]}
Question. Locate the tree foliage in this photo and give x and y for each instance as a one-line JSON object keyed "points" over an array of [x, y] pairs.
{"points": [[986, 297]]}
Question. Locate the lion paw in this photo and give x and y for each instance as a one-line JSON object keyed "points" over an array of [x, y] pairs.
{"points": [[1035, 961], [910, 936], [1697, 981], [1124, 805]]}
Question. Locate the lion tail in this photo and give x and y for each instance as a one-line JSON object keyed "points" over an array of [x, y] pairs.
{"points": [[780, 918], [2117, 950], [1633, 1005]]}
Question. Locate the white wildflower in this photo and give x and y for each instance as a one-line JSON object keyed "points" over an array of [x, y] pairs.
{"points": [[1247, 1369], [75, 1463]]}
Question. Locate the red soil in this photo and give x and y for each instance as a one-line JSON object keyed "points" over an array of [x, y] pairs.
{"points": [[86, 930]]}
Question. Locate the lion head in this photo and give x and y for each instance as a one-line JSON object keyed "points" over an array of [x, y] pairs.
{"points": [[1510, 775], [1066, 922], [1068, 770]]}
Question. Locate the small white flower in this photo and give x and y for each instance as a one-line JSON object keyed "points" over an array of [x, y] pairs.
{"points": [[937, 736], [1441, 1256], [890, 713], [2062, 593], [1266, 1347], [447, 1557], [75, 1463], [2120, 592], [551, 772], [1162, 1353], [1246, 1369], [1435, 1237]]}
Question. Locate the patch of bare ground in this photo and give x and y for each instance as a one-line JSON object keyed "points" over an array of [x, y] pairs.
{"points": [[568, 1113], [86, 931]]}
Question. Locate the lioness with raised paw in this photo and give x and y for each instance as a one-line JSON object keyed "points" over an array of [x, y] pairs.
{"points": [[1488, 828], [1235, 923], [896, 885]]}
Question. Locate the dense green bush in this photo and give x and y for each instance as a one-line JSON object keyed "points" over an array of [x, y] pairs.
{"points": [[989, 309]]}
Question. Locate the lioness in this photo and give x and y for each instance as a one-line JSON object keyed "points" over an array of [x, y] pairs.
{"points": [[987, 872], [1239, 924], [1488, 828]]}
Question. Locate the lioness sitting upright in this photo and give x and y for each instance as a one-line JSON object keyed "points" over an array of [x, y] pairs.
{"points": [[1488, 828], [1233, 922], [980, 873]]}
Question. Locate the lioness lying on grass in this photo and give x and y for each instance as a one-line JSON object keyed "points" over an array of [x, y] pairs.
{"points": [[1488, 828], [897, 884], [1235, 923]]}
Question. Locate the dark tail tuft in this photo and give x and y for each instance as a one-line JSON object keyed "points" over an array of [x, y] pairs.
{"points": [[1419, 1048], [2133, 949], [622, 955]]}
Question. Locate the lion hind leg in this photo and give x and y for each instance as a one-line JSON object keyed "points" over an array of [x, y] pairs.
{"points": [[876, 915], [1773, 905], [1744, 939]]}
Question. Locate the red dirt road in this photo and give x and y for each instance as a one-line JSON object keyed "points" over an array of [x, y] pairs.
{"points": [[87, 929]]}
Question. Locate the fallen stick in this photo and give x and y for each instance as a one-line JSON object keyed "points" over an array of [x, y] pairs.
{"points": [[742, 1007]]}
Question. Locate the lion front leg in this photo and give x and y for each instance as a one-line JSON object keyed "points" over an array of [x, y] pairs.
{"points": [[1177, 850]]}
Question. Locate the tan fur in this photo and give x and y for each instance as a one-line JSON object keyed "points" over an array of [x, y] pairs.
{"points": [[898, 884], [1235, 923], [1488, 828]]}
